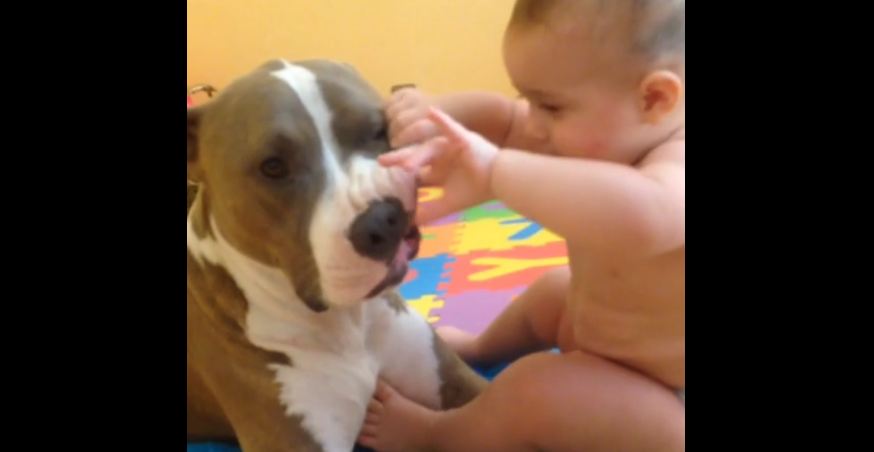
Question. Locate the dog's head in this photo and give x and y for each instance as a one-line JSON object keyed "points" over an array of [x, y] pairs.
{"points": [[285, 158]]}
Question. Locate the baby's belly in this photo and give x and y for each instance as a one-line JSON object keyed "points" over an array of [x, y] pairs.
{"points": [[651, 350], [619, 318]]}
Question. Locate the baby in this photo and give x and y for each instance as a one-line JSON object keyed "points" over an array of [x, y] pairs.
{"points": [[602, 125]]}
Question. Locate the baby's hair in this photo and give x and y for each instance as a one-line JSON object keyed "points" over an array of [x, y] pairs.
{"points": [[656, 29]]}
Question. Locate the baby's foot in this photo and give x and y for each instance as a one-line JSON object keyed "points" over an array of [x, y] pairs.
{"points": [[395, 423]]}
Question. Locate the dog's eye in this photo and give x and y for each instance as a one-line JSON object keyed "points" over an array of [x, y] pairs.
{"points": [[274, 168]]}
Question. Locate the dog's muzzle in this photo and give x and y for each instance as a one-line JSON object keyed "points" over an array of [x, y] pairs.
{"points": [[384, 232]]}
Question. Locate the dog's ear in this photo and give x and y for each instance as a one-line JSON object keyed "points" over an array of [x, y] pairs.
{"points": [[195, 115]]}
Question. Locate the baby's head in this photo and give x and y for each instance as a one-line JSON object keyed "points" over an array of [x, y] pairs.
{"points": [[605, 78]]}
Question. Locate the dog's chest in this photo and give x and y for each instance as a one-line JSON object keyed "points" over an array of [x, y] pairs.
{"points": [[336, 359], [335, 356]]}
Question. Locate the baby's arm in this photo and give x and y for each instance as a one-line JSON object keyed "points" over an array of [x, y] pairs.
{"points": [[497, 118], [604, 208], [488, 114]]}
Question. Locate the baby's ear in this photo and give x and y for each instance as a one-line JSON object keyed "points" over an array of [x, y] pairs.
{"points": [[660, 93]]}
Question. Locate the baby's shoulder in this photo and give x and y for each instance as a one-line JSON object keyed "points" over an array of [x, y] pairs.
{"points": [[671, 152]]}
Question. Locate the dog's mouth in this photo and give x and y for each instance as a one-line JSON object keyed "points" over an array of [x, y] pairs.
{"points": [[397, 268], [410, 244]]}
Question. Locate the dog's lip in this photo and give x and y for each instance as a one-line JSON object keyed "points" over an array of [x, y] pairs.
{"points": [[394, 277], [412, 240], [398, 267]]}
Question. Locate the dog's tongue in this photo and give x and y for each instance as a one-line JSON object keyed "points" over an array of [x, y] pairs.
{"points": [[407, 251], [403, 252], [410, 244]]}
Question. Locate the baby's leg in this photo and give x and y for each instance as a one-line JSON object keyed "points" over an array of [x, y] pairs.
{"points": [[529, 324], [569, 402]]}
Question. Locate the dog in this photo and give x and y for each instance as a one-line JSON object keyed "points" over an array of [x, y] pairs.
{"points": [[297, 241]]}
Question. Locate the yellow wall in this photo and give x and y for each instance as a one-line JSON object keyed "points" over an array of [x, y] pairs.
{"points": [[441, 45]]}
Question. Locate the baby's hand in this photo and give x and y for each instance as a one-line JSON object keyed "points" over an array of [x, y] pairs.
{"points": [[457, 160], [407, 113]]}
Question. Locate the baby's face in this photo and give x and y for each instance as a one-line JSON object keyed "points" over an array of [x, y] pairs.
{"points": [[577, 106]]}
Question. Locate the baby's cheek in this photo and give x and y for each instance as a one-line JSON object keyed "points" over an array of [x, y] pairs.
{"points": [[603, 136], [586, 143]]}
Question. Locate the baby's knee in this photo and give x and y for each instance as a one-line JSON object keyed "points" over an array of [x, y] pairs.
{"points": [[552, 286], [558, 278]]}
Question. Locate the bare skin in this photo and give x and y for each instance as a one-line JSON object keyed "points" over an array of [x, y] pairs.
{"points": [[576, 400], [605, 169]]}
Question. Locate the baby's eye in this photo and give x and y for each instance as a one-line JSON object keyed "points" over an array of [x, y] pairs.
{"points": [[550, 108]]}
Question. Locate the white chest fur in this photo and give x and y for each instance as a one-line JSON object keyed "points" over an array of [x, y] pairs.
{"points": [[336, 355]]}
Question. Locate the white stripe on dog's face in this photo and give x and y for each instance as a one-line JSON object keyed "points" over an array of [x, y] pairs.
{"points": [[304, 83]]}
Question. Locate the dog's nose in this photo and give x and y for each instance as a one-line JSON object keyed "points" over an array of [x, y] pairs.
{"points": [[377, 232]]}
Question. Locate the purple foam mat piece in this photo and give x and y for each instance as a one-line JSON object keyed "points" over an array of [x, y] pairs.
{"points": [[473, 311]]}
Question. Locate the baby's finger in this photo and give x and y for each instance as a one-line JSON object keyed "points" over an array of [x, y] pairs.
{"points": [[427, 177], [427, 152], [400, 101], [396, 157], [451, 128], [416, 132], [403, 119]]}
